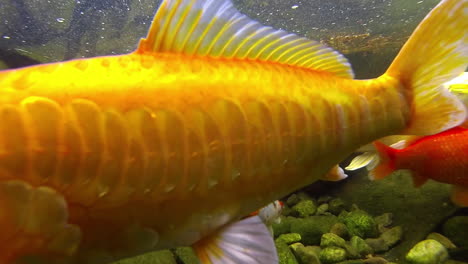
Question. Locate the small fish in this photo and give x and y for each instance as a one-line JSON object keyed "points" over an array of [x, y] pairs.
{"points": [[441, 157], [212, 117]]}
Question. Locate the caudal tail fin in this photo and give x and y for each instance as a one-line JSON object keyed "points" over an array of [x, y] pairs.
{"points": [[436, 52]]}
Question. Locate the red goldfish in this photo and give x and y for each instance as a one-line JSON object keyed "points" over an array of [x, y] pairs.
{"points": [[442, 157], [212, 117]]}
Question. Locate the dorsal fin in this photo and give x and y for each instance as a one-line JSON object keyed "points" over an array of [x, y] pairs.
{"points": [[216, 28]]}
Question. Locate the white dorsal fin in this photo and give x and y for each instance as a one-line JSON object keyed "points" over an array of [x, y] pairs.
{"points": [[216, 28], [246, 241]]}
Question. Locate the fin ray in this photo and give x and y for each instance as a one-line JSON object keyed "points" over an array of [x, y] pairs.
{"points": [[246, 241], [218, 29], [436, 52]]}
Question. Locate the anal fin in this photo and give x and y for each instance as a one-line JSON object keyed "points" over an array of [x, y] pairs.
{"points": [[245, 241]]}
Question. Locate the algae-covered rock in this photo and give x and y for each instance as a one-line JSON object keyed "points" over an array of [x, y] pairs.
{"points": [[306, 255], [361, 224], [340, 229], [377, 244], [304, 208], [285, 254], [392, 236], [352, 261], [292, 200], [311, 229], [335, 206], [351, 252], [322, 209], [361, 246], [332, 255], [283, 226], [456, 229], [157, 257], [441, 239], [289, 238], [324, 199], [383, 221], [375, 260], [186, 255], [427, 252], [330, 239]]}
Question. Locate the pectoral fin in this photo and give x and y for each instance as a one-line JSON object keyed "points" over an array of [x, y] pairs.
{"points": [[246, 241], [335, 174]]}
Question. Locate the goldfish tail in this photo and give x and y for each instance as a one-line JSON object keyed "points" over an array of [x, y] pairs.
{"points": [[435, 53], [387, 161]]}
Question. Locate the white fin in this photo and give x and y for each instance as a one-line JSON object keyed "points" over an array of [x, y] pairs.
{"points": [[246, 241], [370, 159], [335, 174], [400, 144], [361, 161], [216, 28]]}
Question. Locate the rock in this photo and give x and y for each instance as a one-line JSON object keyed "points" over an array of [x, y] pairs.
{"points": [[312, 228], [441, 239], [330, 240], [351, 252], [424, 207], [456, 229], [283, 227], [286, 211], [296, 247], [375, 260], [324, 199], [304, 196], [306, 255], [383, 221], [186, 255], [304, 208], [361, 246], [335, 206], [157, 257], [392, 236], [332, 255], [322, 209], [285, 254], [377, 244], [361, 224], [427, 252], [340, 230], [292, 200], [352, 261], [289, 238]]}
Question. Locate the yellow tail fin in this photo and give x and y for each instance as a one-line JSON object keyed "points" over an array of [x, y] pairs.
{"points": [[435, 53]]}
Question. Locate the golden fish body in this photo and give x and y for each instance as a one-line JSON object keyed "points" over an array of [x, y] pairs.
{"points": [[165, 134], [149, 150]]}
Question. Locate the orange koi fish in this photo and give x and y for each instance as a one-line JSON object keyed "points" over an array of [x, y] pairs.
{"points": [[213, 116], [442, 157]]}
